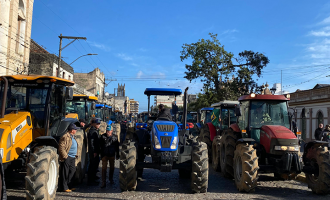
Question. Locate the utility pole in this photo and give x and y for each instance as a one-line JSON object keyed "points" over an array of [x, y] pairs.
{"points": [[60, 49], [281, 84]]}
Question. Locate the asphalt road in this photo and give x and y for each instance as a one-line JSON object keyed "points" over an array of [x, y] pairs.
{"points": [[157, 185]]}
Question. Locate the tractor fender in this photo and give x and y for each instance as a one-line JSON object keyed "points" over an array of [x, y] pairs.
{"points": [[213, 131], [46, 141], [244, 140], [235, 128]]}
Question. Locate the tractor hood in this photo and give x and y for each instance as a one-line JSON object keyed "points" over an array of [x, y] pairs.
{"points": [[273, 135], [163, 134], [15, 134], [279, 132]]}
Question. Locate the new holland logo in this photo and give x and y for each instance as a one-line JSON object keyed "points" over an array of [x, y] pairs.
{"points": [[165, 133]]}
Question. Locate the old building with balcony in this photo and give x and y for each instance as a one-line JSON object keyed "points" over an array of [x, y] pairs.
{"points": [[316, 102]]}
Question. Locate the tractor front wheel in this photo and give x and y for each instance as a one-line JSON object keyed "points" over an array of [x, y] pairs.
{"points": [[205, 137], [320, 183], [41, 178], [245, 168], [127, 172], [227, 148], [216, 153], [200, 168], [81, 161]]}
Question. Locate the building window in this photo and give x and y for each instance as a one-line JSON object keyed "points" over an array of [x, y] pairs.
{"points": [[63, 76], [319, 118], [69, 78]]}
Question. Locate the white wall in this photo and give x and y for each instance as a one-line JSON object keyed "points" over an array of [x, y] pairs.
{"points": [[4, 20]]}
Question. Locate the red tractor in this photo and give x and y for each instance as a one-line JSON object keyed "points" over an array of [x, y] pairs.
{"points": [[261, 140]]}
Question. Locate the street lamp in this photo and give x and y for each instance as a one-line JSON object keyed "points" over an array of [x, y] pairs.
{"points": [[90, 54]]}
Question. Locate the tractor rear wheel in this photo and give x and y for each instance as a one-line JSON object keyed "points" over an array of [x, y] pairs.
{"points": [[245, 168], [320, 184], [227, 148], [127, 173], [81, 161], [200, 168], [205, 137], [41, 178], [216, 153]]}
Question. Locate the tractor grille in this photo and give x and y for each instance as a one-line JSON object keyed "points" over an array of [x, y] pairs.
{"points": [[166, 141], [165, 128]]}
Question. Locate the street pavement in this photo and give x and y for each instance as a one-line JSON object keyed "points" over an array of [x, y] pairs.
{"points": [[157, 185]]}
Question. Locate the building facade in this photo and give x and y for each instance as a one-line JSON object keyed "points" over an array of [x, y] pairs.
{"points": [[93, 82], [134, 106], [316, 103], [44, 63], [168, 100], [15, 34]]}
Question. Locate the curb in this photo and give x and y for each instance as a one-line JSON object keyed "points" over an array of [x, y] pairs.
{"points": [[301, 178]]}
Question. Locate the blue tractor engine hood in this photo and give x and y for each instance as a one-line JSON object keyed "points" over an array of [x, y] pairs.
{"points": [[141, 125], [165, 132]]}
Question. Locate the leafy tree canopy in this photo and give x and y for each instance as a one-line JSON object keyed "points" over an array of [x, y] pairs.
{"points": [[224, 76]]}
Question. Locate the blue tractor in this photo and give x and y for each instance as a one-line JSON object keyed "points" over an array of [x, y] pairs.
{"points": [[168, 148]]}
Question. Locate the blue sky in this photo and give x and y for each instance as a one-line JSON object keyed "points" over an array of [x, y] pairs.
{"points": [[139, 42]]}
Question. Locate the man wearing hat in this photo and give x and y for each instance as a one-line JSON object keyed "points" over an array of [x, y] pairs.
{"points": [[68, 152], [109, 149], [93, 151]]}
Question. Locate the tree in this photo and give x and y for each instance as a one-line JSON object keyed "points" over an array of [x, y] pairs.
{"points": [[213, 65]]}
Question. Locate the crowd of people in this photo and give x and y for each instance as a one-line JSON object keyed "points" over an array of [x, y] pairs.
{"points": [[101, 147], [323, 134]]}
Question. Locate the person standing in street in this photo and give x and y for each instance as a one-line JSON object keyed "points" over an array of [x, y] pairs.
{"points": [[109, 149], [68, 152], [318, 132], [82, 123], [93, 151]]}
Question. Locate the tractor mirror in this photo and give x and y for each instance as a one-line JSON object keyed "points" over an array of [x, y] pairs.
{"points": [[93, 106], [69, 93], [237, 111]]}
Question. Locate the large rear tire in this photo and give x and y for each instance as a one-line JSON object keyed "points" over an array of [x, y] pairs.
{"points": [[245, 168], [200, 168], [81, 161], [127, 173], [41, 179], [227, 148], [320, 184], [205, 137], [216, 153]]}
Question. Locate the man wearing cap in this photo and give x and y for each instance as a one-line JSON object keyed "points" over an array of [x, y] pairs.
{"points": [[68, 152], [109, 149], [93, 151]]}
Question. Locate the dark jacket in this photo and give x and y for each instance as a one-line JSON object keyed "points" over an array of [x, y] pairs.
{"points": [[93, 141], [3, 193], [318, 133], [109, 145], [165, 114]]}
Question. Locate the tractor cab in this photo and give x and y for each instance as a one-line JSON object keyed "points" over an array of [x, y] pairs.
{"points": [[226, 115], [205, 116], [81, 107], [142, 120]]}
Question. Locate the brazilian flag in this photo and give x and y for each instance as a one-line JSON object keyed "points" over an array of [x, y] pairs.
{"points": [[215, 117]]}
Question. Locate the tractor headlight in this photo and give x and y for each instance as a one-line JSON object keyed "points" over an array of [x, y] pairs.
{"points": [[174, 143], [287, 148], [1, 152], [157, 144]]}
